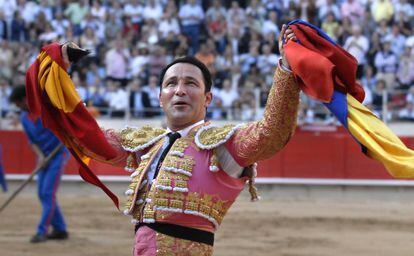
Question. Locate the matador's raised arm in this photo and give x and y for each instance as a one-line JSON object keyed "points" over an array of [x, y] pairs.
{"points": [[262, 139]]}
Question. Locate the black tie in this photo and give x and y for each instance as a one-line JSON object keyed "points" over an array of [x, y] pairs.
{"points": [[173, 136]]}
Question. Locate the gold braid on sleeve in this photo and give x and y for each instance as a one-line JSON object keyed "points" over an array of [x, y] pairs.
{"points": [[262, 139]]}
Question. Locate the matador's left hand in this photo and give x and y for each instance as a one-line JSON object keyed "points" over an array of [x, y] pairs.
{"points": [[286, 34]]}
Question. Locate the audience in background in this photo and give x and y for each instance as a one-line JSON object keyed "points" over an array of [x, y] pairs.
{"points": [[131, 40]]}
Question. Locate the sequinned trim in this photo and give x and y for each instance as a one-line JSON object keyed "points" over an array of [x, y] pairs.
{"points": [[135, 139], [129, 192], [164, 187], [212, 136], [177, 153], [177, 170]]}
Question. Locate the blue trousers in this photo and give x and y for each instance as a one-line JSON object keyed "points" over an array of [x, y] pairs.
{"points": [[193, 33], [47, 184]]}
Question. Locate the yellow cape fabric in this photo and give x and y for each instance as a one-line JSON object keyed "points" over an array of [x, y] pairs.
{"points": [[382, 144], [62, 93], [56, 82]]}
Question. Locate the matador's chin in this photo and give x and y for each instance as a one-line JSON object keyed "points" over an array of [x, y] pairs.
{"points": [[72, 53]]}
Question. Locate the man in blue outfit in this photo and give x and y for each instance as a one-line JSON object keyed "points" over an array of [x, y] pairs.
{"points": [[43, 141]]}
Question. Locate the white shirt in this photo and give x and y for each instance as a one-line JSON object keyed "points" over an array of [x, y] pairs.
{"points": [[191, 14], [357, 51]]}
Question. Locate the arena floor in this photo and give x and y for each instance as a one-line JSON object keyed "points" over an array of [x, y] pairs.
{"points": [[277, 225]]}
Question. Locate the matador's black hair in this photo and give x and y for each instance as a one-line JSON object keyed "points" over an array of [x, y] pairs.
{"points": [[193, 61]]}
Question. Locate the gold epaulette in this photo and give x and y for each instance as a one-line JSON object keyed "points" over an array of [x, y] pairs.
{"points": [[134, 139], [212, 136]]}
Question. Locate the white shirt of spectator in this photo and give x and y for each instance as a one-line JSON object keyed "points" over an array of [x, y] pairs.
{"points": [[169, 25], [8, 7], [118, 99], [135, 12], [228, 97], [29, 12], [191, 14], [358, 47], [116, 63], [153, 12]]}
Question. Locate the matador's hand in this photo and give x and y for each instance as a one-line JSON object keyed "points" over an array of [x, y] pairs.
{"points": [[286, 34]]}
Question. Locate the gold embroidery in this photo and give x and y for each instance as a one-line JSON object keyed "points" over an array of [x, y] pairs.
{"points": [[131, 138], [180, 145], [213, 136], [261, 139], [171, 246]]}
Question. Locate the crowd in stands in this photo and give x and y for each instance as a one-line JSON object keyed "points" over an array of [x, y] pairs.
{"points": [[131, 40]]}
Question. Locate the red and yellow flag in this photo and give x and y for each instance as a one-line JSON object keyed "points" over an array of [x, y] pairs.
{"points": [[52, 96]]}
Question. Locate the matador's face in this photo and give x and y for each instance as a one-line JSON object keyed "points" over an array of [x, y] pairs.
{"points": [[183, 97]]}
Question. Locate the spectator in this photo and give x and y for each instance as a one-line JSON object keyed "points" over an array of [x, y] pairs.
{"points": [[3, 26], [76, 12], [153, 91], [116, 62], [191, 16], [270, 25], [405, 74], [228, 96], [357, 45], [59, 24], [353, 10], [386, 64], [329, 8], [331, 26], [117, 99], [397, 40], [6, 57], [236, 16], [369, 80], [139, 60], [169, 24], [135, 12], [403, 10], [382, 10], [139, 101], [206, 55], [215, 12], [267, 60], [5, 91], [152, 11], [98, 12], [256, 10], [18, 28], [157, 60]]}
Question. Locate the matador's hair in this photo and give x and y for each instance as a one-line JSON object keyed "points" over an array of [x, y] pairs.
{"points": [[193, 61]]}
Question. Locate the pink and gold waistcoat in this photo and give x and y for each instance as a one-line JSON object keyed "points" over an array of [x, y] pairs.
{"points": [[190, 190]]}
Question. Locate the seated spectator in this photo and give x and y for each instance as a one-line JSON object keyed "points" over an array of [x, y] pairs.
{"points": [[206, 55], [329, 7], [271, 24], [386, 64], [405, 74], [331, 26], [153, 91], [168, 24], [358, 46], [353, 10], [228, 96], [382, 10], [191, 15], [139, 101], [117, 99]]}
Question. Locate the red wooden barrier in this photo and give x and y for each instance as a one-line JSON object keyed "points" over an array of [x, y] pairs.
{"points": [[308, 155]]}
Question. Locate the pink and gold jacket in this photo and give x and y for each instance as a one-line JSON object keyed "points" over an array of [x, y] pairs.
{"points": [[194, 187]]}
